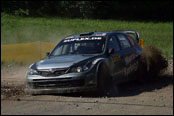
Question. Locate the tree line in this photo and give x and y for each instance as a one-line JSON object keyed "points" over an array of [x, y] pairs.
{"points": [[126, 10]]}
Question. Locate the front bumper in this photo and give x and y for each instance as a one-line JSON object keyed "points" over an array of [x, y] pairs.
{"points": [[67, 83]]}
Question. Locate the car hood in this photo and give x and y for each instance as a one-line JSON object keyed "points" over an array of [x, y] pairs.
{"points": [[64, 61]]}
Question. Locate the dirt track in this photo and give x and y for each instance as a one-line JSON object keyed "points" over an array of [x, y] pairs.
{"points": [[154, 97]]}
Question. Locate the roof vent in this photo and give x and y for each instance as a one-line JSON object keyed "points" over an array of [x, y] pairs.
{"points": [[86, 33]]}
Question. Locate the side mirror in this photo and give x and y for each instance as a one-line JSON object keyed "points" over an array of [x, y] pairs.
{"points": [[111, 51], [47, 54]]}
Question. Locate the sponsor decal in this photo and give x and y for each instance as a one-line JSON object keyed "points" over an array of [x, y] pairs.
{"points": [[115, 58], [82, 38], [69, 37], [103, 34]]}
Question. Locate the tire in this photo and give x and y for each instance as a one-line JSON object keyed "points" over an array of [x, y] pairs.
{"points": [[103, 80]]}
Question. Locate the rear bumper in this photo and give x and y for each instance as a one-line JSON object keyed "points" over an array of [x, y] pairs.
{"points": [[67, 83]]}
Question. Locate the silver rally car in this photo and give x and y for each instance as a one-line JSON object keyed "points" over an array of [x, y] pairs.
{"points": [[86, 62]]}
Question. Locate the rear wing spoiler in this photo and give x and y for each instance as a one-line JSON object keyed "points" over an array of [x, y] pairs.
{"points": [[134, 33]]}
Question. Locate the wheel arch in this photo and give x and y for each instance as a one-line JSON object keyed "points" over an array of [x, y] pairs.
{"points": [[100, 63]]}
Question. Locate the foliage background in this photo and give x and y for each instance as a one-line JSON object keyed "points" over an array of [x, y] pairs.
{"points": [[124, 10]]}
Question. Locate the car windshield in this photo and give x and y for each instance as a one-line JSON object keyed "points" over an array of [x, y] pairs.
{"points": [[92, 45]]}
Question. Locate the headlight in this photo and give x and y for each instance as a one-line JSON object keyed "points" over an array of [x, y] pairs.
{"points": [[81, 68], [76, 69], [32, 72]]}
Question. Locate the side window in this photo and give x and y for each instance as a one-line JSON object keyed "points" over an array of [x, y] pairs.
{"points": [[124, 42], [113, 43], [65, 49]]}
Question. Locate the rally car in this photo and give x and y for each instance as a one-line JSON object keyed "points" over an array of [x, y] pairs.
{"points": [[86, 62]]}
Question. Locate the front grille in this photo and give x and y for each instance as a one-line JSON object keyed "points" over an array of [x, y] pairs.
{"points": [[57, 72], [58, 84]]}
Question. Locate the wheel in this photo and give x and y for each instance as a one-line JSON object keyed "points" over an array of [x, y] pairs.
{"points": [[104, 80]]}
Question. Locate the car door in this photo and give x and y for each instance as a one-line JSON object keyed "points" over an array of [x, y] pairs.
{"points": [[117, 62], [128, 52]]}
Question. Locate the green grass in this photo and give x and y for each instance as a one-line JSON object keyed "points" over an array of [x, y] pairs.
{"points": [[24, 30]]}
